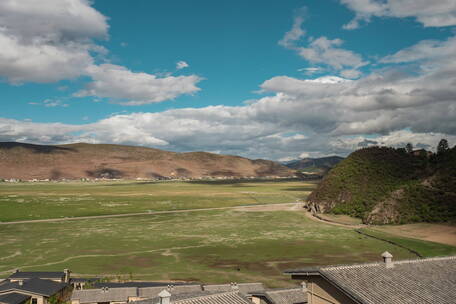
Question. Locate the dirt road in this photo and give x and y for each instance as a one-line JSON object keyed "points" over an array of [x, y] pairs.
{"points": [[256, 207]]}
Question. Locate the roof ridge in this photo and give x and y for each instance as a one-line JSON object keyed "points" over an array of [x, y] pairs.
{"points": [[352, 266], [208, 296]]}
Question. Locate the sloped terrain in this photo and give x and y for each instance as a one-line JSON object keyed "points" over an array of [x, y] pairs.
{"points": [[385, 185], [314, 165], [74, 161]]}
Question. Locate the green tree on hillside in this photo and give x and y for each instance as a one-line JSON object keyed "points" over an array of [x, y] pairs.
{"points": [[409, 148], [442, 147]]}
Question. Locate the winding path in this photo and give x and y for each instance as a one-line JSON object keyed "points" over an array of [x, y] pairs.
{"points": [[63, 219]]}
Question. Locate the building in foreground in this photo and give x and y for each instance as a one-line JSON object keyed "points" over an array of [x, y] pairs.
{"points": [[35, 290], [155, 293], [423, 281]]}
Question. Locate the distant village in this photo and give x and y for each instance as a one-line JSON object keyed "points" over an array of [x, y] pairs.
{"points": [[431, 280], [167, 178]]}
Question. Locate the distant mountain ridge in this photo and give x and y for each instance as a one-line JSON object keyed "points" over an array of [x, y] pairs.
{"points": [[81, 160], [385, 185], [314, 165]]}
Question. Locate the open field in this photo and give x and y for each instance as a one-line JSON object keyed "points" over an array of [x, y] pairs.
{"points": [[29, 201], [439, 233], [209, 246], [242, 244]]}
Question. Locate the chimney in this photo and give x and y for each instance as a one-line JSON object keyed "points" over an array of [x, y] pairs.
{"points": [[388, 259], [164, 296], [21, 282], [67, 275], [304, 286]]}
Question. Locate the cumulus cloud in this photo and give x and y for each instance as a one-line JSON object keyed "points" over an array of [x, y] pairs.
{"points": [[321, 116], [181, 65], [130, 88], [323, 51], [37, 36], [436, 14]]}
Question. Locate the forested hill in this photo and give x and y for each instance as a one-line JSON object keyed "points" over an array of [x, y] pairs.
{"points": [[385, 185]]}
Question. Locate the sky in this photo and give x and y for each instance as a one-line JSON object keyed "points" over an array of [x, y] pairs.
{"points": [[277, 80]]}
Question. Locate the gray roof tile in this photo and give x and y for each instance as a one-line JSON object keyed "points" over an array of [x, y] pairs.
{"points": [[284, 295], [13, 298], [423, 281], [38, 286]]}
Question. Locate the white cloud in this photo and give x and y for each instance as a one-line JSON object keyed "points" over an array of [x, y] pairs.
{"points": [[181, 65], [430, 14], [50, 103], [310, 70], [130, 88], [323, 51], [37, 36], [296, 32], [51, 40]]}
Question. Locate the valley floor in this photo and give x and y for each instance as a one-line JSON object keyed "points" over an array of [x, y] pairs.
{"points": [[239, 244]]}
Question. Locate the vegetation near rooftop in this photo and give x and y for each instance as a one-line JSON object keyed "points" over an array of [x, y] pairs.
{"points": [[386, 185]]}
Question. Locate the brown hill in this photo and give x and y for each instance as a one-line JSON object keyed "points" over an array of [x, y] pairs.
{"points": [[81, 160]]}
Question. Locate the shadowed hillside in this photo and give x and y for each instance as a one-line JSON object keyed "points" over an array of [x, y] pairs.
{"points": [[74, 161], [385, 185], [314, 165]]}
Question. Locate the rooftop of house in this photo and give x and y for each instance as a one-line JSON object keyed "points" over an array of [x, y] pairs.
{"points": [[283, 295], [139, 284], [42, 287], [120, 292], [37, 274], [202, 297], [242, 287], [13, 298], [431, 280]]}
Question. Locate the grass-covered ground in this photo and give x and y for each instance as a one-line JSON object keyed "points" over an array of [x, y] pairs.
{"points": [[211, 246], [29, 201]]}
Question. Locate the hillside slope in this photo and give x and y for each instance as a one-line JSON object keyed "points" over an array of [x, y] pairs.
{"points": [[74, 161], [314, 165], [385, 185]]}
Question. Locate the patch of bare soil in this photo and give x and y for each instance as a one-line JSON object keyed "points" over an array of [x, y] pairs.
{"points": [[439, 233]]}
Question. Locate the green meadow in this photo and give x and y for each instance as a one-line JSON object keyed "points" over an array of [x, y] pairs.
{"points": [[211, 246], [31, 201]]}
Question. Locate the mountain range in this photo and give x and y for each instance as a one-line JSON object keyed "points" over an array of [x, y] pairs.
{"points": [[318, 166], [82, 160]]}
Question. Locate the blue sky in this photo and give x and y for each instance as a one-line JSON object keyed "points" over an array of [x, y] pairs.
{"points": [[349, 70]]}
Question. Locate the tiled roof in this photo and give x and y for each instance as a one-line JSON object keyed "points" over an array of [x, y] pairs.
{"points": [[36, 274], [202, 297], [37, 286], [283, 296], [232, 297], [152, 292], [120, 294], [242, 287], [13, 298], [423, 281], [139, 284]]}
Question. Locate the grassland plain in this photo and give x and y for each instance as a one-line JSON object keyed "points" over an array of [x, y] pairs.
{"points": [[29, 201], [210, 246]]}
